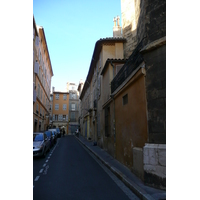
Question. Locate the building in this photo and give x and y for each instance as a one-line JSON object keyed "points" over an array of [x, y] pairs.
{"points": [[72, 89], [107, 51], [123, 100], [144, 27], [60, 109], [80, 120], [129, 99], [42, 73]]}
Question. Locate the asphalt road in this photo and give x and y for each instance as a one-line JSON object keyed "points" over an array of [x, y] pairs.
{"points": [[70, 172]]}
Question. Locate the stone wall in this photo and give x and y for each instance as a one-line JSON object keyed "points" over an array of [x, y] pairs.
{"points": [[142, 18], [154, 158], [156, 94], [147, 19]]}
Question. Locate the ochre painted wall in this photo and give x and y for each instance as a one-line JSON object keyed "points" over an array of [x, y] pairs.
{"points": [[131, 119]]}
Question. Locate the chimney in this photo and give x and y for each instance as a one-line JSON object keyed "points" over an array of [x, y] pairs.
{"points": [[53, 89], [117, 30]]}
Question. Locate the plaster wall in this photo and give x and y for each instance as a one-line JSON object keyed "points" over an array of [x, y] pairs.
{"points": [[131, 119]]}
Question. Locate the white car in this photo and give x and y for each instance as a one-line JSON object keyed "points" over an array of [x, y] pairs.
{"points": [[41, 144]]}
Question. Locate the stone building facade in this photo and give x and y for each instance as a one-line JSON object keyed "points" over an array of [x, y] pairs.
{"points": [[145, 20]]}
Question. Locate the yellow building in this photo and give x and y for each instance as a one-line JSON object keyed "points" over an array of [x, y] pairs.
{"points": [[60, 110], [92, 94], [42, 73]]}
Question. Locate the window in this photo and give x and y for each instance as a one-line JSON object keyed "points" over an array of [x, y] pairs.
{"points": [[72, 106], [64, 96], [57, 96], [37, 108], [56, 117], [125, 99], [64, 106], [38, 90], [56, 106], [60, 117], [72, 117], [64, 117], [73, 96]]}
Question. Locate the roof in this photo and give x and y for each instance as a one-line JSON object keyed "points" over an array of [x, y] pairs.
{"points": [[34, 24], [116, 61], [95, 56]]}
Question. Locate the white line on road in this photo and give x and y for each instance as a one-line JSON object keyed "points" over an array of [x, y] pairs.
{"points": [[44, 165], [41, 171], [37, 177], [47, 160]]}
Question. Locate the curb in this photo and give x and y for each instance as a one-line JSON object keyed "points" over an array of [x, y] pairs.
{"points": [[132, 186]]}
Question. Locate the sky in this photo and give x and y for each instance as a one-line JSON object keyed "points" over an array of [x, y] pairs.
{"points": [[71, 30]]}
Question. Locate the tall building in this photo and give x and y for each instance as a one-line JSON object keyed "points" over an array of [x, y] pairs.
{"points": [[42, 73], [72, 88]]}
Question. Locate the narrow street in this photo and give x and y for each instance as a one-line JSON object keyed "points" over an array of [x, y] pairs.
{"points": [[69, 171]]}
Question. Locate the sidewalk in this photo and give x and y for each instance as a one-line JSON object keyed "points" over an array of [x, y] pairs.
{"points": [[123, 173]]}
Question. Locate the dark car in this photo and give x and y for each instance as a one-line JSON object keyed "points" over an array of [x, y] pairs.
{"points": [[50, 137], [41, 144], [58, 132], [54, 136]]}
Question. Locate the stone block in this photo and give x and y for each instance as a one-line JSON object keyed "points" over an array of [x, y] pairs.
{"points": [[138, 168], [150, 169], [160, 171]]}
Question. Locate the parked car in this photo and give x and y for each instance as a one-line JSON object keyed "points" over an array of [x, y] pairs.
{"points": [[53, 129], [54, 136], [58, 132], [41, 144], [50, 137]]}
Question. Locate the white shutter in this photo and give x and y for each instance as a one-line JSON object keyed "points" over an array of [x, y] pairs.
{"points": [[37, 41], [36, 68]]}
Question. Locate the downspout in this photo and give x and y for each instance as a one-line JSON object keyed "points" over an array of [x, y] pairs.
{"points": [[114, 133]]}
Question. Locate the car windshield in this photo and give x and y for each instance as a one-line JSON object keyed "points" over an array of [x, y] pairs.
{"points": [[37, 137], [48, 133]]}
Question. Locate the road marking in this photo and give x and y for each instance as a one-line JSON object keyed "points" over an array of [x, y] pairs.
{"points": [[41, 171], [47, 160], [44, 165], [37, 177]]}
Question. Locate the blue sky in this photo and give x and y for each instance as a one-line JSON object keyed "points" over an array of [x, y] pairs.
{"points": [[72, 29]]}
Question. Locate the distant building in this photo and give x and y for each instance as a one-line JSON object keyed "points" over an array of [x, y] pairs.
{"points": [[60, 109], [73, 107]]}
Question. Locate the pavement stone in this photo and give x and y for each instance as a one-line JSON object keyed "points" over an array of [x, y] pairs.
{"points": [[123, 173]]}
